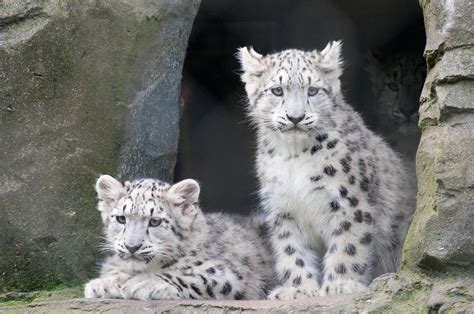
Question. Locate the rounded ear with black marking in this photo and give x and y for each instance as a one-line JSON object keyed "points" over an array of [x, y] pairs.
{"points": [[329, 60], [185, 192], [109, 191], [375, 69], [251, 62], [184, 196], [253, 65]]}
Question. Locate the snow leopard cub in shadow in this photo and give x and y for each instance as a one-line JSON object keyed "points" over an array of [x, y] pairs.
{"points": [[335, 196], [397, 74], [164, 247]]}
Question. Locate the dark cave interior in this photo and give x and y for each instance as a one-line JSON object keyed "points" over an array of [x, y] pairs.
{"points": [[216, 144]]}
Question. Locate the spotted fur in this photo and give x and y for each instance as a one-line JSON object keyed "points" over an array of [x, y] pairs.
{"points": [[164, 247], [335, 196]]}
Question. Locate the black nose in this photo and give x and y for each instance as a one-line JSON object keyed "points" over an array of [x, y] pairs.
{"points": [[295, 120], [133, 249], [408, 111]]}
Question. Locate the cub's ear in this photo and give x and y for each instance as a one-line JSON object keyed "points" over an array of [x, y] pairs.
{"points": [[329, 60], [185, 192], [183, 196], [252, 63], [109, 191], [375, 56], [375, 69]]}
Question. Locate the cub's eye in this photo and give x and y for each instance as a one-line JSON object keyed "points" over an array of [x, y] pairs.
{"points": [[313, 91], [277, 91], [393, 86], [154, 222], [120, 219]]}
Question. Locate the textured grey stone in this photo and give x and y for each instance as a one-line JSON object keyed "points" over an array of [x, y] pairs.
{"points": [[447, 194], [442, 233], [81, 83], [152, 127], [448, 24], [390, 293], [458, 95]]}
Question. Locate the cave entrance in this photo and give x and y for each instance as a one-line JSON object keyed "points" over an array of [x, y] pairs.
{"points": [[383, 43]]}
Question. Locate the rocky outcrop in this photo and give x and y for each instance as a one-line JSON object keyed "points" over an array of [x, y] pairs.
{"points": [[87, 87], [91, 87], [402, 293], [441, 237]]}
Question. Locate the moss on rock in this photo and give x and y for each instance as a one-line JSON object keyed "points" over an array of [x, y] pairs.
{"points": [[441, 238], [405, 292], [69, 72]]}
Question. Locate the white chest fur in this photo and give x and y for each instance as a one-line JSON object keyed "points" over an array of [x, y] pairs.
{"points": [[296, 184]]}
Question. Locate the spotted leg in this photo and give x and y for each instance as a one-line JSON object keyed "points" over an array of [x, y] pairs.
{"points": [[295, 262], [196, 280], [349, 255]]}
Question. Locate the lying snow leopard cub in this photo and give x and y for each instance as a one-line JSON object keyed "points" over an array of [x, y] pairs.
{"points": [[333, 193], [164, 247]]}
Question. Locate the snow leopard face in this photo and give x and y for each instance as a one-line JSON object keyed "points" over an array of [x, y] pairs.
{"points": [[292, 92], [397, 80], [146, 219]]}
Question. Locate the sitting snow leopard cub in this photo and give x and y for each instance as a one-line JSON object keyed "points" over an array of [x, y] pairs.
{"points": [[335, 197], [164, 247]]}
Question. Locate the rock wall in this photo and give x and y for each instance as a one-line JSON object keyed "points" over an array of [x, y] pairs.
{"points": [[91, 87], [441, 237], [87, 87], [389, 293]]}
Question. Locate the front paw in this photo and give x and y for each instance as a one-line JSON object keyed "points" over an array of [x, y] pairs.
{"points": [[342, 286], [102, 288], [146, 289], [292, 293]]}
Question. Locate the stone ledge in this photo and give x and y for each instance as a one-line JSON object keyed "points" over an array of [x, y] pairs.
{"points": [[402, 293]]}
